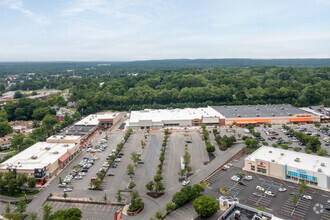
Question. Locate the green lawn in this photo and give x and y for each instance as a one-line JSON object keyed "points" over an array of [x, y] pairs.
{"points": [[20, 194]]}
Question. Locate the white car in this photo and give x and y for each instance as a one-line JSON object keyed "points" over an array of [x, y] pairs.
{"points": [[226, 166], [282, 189], [247, 178], [260, 188], [78, 177], [270, 193], [307, 197], [82, 174], [235, 178], [230, 164], [89, 149], [68, 190], [117, 160], [184, 183]]}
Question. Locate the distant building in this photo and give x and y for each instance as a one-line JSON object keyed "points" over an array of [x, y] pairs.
{"points": [[187, 117], [60, 114], [291, 166]]}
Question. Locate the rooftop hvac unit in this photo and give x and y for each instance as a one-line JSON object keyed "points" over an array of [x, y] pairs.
{"points": [[273, 114], [249, 106], [297, 159], [235, 109], [257, 108], [62, 137], [257, 115], [273, 161], [55, 152], [66, 145], [282, 108], [34, 157], [270, 151], [238, 115], [289, 114], [319, 170], [47, 148], [282, 154], [55, 136], [322, 164]]}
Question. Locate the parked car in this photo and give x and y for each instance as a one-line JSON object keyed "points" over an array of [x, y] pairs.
{"points": [[113, 165], [78, 177], [282, 189], [140, 162], [68, 190], [110, 174], [117, 160], [89, 150], [270, 193], [235, 178], [226, 166], [260, 188], [247, 178], [62, 185], [257, 194], [224, 169], [121, 154], [241, 183], [185, 183], [188, 142], [82, 174], [327, 208], [307, 197]]}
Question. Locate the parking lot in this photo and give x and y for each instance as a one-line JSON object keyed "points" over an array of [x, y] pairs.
{"points": [[280, 204], [90, 211]]}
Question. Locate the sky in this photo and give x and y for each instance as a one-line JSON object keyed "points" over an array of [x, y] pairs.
{"points": [[126, 30]]}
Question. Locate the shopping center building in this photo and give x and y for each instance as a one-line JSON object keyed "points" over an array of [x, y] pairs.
{"points": [[291, 166], [43, 159]]}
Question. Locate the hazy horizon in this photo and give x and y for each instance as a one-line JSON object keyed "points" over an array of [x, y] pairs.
{"points": [[142, 30]]}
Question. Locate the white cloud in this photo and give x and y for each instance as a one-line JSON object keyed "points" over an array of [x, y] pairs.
{"points": [[18, 5]]}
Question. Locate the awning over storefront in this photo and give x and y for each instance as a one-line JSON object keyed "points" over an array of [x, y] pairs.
{"points": [[254, 121], [64, 157], [300, 119]]}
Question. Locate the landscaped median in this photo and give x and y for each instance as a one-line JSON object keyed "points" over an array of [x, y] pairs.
{"points": [[84, 200]]}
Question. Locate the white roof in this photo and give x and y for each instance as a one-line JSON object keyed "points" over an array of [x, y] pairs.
{"points": [[158, 115], [38, 155], [64, 137], [94, 119], [307, 161]]}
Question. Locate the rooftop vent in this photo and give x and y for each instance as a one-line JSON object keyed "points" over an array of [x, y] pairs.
{"points": [[235, 109], [55, 152], [62, 137], [257, 115], [289, 114], [273, 161], [270, 151], [273, 114], [248, 105], [257, 108], [282, 154], [297, 159], [282, 108], [322, 164], [47, 148], [319, 170], [238, 115], [34, 157], [65, 145]]}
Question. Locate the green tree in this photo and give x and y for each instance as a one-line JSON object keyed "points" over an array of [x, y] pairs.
{"points": [[135, 157], [150, 186], [8, 209], [47, 211], [31, 182], [5, 128], [21, 206], [294, 200], [134, 195], [33, 216], [159, 187], [65, 195], [186, 158], [118, 196], [159, 215], [21, 179], [105, 198], [322, 152], [158, 178], [131, 185], [206, 205], [67, 214], [169, 207], [179, 199], [49, 121], [40, 113], [130, 169]]}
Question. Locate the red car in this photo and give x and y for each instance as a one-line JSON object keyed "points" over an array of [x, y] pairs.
{"points": [[224, 169]]}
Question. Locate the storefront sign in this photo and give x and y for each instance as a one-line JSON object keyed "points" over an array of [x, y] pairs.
{"points": [[301, 171]]}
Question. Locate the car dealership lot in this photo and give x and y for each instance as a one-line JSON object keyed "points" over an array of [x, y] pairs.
{"points": [[279, 205]]}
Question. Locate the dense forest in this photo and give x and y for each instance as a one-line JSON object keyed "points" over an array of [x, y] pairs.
{"points": [[192, 87], [103, 67]]}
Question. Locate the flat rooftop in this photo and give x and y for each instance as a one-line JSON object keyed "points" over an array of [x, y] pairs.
{"points": [[287, 157], [64, 137], [158, 115], [235, 111], [94, 119], [38, 155]]}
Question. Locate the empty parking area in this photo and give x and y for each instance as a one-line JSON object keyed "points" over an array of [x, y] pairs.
{"points": [[299, 211], [90, 211]]}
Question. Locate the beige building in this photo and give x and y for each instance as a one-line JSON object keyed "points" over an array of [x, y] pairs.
{"points": [[43, 159], [291, 166]]}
